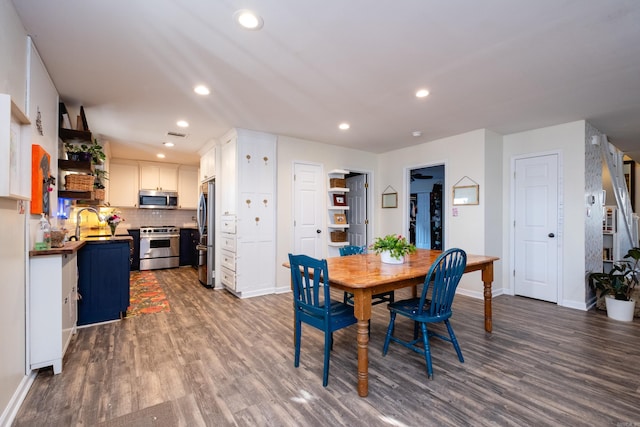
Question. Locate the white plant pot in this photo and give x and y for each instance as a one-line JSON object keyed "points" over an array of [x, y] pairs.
{"points": [[620, 310], [385, 256]]}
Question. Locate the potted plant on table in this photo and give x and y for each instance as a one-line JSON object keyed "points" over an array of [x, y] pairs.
{"points": [[392, 248], [617, 285]]}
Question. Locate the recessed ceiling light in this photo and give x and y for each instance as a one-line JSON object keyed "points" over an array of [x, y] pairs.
{"points": [[160, 156], [422, 93], [417, 133], [182, 123], [168, 144], [248, 19], [344, 126], [201, 90]]}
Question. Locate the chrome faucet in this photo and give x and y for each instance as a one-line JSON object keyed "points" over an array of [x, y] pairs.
{"points": [[78, 219]]}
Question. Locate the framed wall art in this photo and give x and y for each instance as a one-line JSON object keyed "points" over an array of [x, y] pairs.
{"points": [[390, 197], [339, 200], [339, 218]]}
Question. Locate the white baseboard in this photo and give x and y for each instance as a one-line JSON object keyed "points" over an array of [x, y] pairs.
{"points": [[479, 295], [10, 412]]}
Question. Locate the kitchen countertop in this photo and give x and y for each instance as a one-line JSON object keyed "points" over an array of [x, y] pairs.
{"points": [[73, 246], [68, 248]]}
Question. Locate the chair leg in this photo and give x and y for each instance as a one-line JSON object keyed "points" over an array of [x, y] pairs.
{"points": [[454, 341], [328, 343], [298, 335], [427, 350], [392, 321], [416, 328]]}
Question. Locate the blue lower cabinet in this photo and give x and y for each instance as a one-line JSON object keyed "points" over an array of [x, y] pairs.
{"points": [[103, 282], [135, 258]]}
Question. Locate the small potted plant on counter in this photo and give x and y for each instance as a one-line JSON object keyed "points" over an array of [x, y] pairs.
{"points": [[617, 285]]}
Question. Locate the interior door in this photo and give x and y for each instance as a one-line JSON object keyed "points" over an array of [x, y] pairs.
{"points": [[308, 209], [357, 213], [536, 227]]}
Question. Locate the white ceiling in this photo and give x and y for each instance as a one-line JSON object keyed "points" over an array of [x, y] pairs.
{"points": [[505, 65]]}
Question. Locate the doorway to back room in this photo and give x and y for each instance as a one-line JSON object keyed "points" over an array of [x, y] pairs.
{"points": [[426, 207]]}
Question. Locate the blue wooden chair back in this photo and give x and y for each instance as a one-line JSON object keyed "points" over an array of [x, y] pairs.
{"points": [[313, 305], [310, 278], [352, 250], [443, 278]]}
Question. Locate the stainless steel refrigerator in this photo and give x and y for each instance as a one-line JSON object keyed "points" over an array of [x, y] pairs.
{"points": [[206, 227]]}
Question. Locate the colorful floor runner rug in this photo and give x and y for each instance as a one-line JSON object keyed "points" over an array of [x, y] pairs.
{"points": [[146, 295]]}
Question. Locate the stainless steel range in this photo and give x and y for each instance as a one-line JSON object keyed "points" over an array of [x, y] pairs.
{"points": [[159, 247]]}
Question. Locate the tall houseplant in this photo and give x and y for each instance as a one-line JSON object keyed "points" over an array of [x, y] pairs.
{"points": [[617, 285]]}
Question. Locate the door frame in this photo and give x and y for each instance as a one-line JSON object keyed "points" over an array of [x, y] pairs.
{"points": [[322, 209], [406, 198], [512, 213], [368, 209]]}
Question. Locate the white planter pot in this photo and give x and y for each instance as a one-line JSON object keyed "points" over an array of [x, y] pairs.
{"points": [[385, 256], [620, 310]]}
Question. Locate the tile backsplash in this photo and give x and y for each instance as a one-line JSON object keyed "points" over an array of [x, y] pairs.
{"points": [[134, 218]]}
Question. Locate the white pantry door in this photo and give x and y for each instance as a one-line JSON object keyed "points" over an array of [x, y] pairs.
{"points": [[536, 227], [308, 193]]}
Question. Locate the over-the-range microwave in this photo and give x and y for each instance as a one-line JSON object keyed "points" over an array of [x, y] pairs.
{"points": [[153, 199]]}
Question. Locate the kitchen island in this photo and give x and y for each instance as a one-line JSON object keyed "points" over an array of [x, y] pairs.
{"points": [[103, 279]]}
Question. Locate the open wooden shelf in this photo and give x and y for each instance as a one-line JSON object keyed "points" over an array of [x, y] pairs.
{"points": [[71, 135]]}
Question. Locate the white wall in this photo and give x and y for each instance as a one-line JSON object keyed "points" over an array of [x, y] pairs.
{"points": [[568, 139], [464, 155], [13, 54], [292, 150]]}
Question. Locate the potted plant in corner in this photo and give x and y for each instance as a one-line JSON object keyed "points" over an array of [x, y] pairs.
{"points": [[617, 285], [98, 185], [392, 248]]}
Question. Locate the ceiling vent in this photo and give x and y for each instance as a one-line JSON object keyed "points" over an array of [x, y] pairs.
{"points": [[178, 134]]}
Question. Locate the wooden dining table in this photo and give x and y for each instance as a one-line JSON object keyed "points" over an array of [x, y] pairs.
{"points": [[365, 275]]}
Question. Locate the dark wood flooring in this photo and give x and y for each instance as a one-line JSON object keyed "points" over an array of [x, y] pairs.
{"points": [[216, 360]]}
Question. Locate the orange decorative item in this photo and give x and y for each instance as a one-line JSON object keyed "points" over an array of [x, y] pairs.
{"points": [[40, 180]]}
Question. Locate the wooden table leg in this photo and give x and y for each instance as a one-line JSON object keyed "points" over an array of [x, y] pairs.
{"points": [[487, 279], [362, 311]]}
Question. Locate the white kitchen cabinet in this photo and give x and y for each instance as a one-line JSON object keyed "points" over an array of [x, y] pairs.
{"points": [[228, 180], [247, 185], [208, 165], [53, 308], [123, 184], [158, 177], [15, 151], [188, 187]]}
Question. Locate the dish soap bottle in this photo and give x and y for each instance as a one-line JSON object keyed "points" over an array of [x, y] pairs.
{"points": [[43, 235]]}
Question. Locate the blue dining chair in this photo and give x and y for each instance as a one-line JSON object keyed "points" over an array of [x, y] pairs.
{"points": [[443, 278], [313, 305], [348, 296]]}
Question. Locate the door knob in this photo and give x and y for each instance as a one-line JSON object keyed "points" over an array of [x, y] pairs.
{"points": [[552, 235], [318, 231]]}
